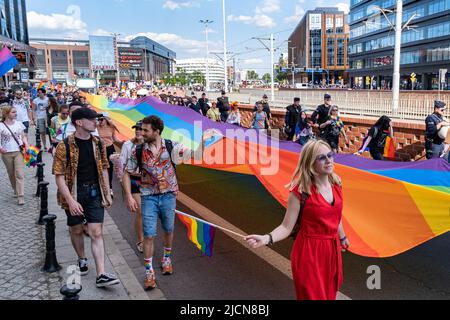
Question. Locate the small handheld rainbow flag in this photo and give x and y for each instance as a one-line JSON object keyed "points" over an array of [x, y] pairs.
{"points": [[41, 85], [389, 148], [7, 61], [30, 156], [200, 232]]}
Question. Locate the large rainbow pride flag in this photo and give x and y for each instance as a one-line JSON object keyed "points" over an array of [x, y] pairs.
{"points": [[389, 207]]}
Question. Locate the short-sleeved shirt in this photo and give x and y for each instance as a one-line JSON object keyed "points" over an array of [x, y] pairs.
{"points": [[158, 175], [23, 107], [41, 107], [7, 141], [260, 120]]}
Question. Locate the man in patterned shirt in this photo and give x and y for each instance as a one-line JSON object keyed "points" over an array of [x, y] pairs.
{"points": [[155, 161]]}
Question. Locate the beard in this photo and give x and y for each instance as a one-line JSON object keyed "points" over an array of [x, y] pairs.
{"points": [[149, 139]]}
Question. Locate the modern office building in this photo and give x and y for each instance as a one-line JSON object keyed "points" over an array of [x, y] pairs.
{"points": [[14, 35], [319, 43], [425, 46], [62, 62], [100, 57], [157, 58], [216, 69]]}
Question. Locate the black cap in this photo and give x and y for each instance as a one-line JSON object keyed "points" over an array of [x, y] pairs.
{"points": [[137, 125], [327, 97], [85, 113], [265, 96], [223, 92], [296, 99], [439, 104]]}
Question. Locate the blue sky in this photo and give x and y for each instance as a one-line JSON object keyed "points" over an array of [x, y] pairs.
{"points": [[175, 23]]}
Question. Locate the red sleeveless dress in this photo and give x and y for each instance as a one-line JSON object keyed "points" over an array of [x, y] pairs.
{"points": [[316, 255]]}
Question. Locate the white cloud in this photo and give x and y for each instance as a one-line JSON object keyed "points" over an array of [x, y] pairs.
{"points": [[178, 43], [55, 24], [299, 12], [260, 18], [343, 7], [174, 5]]}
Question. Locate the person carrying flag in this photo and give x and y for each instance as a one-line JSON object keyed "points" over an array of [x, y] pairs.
{"points": [[155, 161]]}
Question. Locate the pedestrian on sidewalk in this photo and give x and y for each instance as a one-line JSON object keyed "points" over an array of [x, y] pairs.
{"points": [[135, 180], [435, 140], [40, 106], [107, 132], [81, 167], [12, 141], [315, 210], [155, 162], [59, 125], [23, 109], [260, 120]]}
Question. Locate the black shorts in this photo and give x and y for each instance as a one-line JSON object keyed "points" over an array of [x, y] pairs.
{"points": [[90, 198]]}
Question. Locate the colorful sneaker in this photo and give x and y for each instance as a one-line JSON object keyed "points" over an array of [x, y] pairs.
{"points": [[167, 268], [106, 280], [150, 281]]}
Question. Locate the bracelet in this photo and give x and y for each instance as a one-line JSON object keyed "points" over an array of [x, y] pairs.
{"points": [[270, 240], [343, 239]]}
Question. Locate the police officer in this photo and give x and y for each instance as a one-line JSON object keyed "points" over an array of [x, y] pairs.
{"points": [[292, 115], [223, 104], [320, 116], [434, 144]]}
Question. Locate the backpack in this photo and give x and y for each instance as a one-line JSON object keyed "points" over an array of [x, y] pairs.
{"points": [[140, 151], [66, 143]]}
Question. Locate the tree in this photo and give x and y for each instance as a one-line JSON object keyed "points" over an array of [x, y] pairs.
{"points": [[197, 77], [267, 78], [181, 77], [252, 75]]}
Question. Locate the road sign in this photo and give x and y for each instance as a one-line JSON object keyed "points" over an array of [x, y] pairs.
{"points": [[413, 77]]}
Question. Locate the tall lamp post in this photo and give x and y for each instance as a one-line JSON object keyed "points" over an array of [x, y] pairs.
{"points": [[206, 23], [398, 27], [116, 47], [225, 60]]}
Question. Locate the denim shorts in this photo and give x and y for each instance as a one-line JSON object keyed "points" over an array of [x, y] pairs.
{"points": [[162, 206], [90, 198]]}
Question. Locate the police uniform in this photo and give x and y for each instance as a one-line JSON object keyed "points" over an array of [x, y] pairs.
{"points": [[434, 144]]}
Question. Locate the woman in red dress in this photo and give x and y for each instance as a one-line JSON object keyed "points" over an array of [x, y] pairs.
{"points": [[316, 255]]}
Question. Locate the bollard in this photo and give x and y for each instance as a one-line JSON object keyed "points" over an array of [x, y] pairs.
{"points": [[38, 145], [40, 176], [71, 292], [51, 263], [43, 186]]}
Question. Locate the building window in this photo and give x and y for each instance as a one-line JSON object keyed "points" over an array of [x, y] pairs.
{"points": [[339, 24], [59, 60], [340, 52], [330, 52], [330, 24]]}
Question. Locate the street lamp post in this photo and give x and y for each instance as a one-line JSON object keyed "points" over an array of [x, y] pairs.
{"points": [[206, 23], [293, 66], [225, 60], [116, 45], [397, 55]]}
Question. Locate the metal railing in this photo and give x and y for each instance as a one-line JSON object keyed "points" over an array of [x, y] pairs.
{"points": [[413, 106]]}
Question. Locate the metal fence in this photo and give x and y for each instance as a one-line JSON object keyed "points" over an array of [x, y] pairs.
{"points": [[412, 106]]}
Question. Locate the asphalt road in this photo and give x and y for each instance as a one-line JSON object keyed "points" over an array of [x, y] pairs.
{"points": [[236, 273]]}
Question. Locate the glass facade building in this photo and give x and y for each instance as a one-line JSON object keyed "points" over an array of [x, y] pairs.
{"points": [[425, 48], [320, 42], [13, 20]]}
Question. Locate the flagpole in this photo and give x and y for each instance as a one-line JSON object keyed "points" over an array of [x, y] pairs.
{"points": [[211, 224]]}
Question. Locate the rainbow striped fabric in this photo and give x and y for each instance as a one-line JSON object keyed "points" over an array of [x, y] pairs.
{"points": [[7, 61], [200, 233], [30, 156], [389, 207]]}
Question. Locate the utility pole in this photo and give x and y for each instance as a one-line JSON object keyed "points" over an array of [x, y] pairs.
{"points": [[206, 23], [293, 66], [397, 54], [225, 60], [272, 51], [116, 46]]}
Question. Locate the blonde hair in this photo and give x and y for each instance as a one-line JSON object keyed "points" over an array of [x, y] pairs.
{"points": [[304, 173], [5, 111]]}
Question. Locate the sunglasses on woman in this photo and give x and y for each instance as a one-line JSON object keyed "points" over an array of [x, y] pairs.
{"points": [[323, 157]]}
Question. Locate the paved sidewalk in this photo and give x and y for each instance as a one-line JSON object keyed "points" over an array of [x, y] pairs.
{"points": [[22, 248]]}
